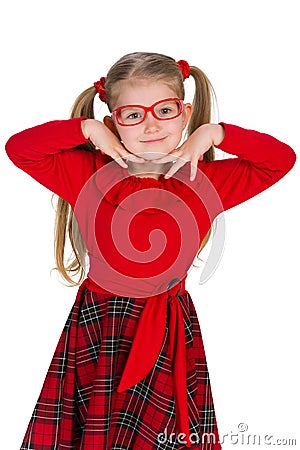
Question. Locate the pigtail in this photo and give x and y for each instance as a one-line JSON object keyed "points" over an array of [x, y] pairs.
{"points": [[202, 106], [66, 224], [84, 106], [202, 111]]}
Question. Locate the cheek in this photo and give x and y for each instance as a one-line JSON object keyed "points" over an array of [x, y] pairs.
{"points": [[175, 130], [175, 126], [126, 134], [129, 138]]}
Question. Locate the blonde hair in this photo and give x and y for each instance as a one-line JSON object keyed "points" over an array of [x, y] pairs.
{"points": [[138, 65]]}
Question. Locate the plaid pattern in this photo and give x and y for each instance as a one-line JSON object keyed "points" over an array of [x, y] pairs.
{"points": [[79, 408]]}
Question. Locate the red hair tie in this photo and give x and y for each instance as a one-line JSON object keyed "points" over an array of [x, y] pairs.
{"points": [[100, 87], [185, 68]]}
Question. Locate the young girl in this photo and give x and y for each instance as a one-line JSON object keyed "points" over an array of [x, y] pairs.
{"points": [[129, 370]]}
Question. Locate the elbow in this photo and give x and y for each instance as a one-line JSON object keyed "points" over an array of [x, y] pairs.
{"points": [[13, 153], [9, 147], [283, 163], [290, 159]]}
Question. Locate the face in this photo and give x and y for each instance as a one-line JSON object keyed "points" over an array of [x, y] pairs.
{"points": [[153, 138]]}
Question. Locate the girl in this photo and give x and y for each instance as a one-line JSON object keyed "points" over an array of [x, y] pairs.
{"points": [[129, 370]]}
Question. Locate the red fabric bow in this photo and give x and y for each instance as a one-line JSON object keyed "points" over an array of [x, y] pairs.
{"points": [[185, 68], [100, 86]]}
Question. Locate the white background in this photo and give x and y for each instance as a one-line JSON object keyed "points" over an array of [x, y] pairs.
{"points": [[248, 309]]}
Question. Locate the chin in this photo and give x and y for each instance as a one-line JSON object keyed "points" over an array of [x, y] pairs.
{"points": [[151, 156]]}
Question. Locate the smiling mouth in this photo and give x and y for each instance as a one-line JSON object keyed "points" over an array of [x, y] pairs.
{"points": [[153, 140]]}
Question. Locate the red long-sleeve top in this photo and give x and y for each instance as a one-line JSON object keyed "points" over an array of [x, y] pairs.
{"points": [[143, 234], [48, 153]]}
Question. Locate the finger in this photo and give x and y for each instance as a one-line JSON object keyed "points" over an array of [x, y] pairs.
{"points": [[193, 171], [118, 156], [127, 156], [134, 158], [176, 166], [120, 161]]}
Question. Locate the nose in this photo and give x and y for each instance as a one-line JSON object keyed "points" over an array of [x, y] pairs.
{"points": [[151, 124]]}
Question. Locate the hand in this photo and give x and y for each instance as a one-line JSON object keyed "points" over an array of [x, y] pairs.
{"points": [[194, 148], [107, 142]]}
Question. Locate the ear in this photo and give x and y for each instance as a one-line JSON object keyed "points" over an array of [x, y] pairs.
{"points": [[186, 115], [110, 124]]}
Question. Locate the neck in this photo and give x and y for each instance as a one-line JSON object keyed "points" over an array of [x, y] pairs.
{"points": [[148, 169]]}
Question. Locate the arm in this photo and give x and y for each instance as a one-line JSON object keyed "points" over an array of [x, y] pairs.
{"points": [[47, 153], [261, 161]]}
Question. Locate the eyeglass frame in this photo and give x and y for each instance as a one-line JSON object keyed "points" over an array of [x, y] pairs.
{"points": [[147, 109]]}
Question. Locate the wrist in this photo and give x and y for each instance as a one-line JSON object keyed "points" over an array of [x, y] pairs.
{"points": [[86, 126], [217, 133]]}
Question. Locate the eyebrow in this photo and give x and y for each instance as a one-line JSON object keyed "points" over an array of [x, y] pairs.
{"points": [[126, 107]]}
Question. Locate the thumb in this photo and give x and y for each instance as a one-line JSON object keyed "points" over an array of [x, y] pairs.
{"points": [[111, 126]]}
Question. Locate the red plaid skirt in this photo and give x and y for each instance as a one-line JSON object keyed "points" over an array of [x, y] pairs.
{"points": [[79, 407]]}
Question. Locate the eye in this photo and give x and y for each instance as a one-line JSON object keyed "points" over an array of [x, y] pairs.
{"points": [[165, 111], [130, 115], [134, 115]]}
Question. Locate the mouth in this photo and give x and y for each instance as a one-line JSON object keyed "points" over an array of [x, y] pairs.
{"points": [[151, 141]]}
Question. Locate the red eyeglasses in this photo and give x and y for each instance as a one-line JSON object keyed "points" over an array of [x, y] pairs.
{"points": [[129, 115]]}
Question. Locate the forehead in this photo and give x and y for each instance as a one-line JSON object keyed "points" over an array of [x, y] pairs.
{"points": [[142, 92]]}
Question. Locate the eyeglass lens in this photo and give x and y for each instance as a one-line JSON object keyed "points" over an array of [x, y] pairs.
{"points": [[132, 115]]}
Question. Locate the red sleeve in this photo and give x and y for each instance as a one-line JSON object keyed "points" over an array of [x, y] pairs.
{"points": [[261, 161], [47, 153]]}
